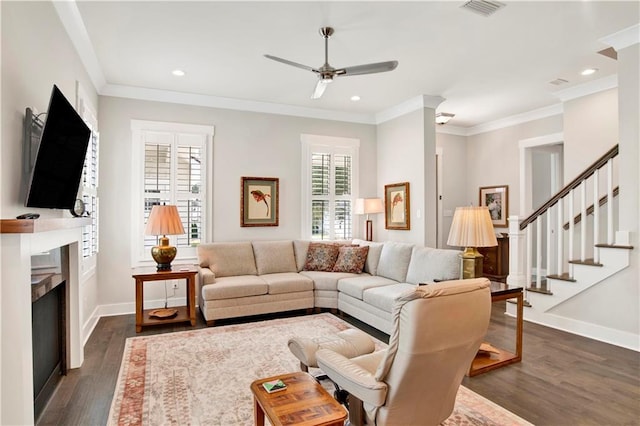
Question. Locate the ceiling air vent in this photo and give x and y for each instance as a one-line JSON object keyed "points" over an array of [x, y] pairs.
{"points": [[558, 81], [483, 7]]}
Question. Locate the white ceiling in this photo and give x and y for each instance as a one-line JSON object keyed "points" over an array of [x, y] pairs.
{"points": [[486, 68]]}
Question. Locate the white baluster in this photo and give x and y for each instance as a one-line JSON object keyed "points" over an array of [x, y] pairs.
{"points": [[560, 232], [583, 220], [596, 216], [549, 211], [529, 254], [570, 253], [517, 260], [539, 251], [610, 202]]}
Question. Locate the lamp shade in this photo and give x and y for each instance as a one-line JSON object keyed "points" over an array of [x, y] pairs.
{"points": [[472, 227], [368, 206], [164, 220]]}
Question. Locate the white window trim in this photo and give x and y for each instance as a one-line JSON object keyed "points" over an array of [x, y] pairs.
{"points": [[332, 145], [138, 255], [88, 113]]}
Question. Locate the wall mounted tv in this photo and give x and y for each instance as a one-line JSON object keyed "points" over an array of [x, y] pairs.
{"points": [[56, 173]]}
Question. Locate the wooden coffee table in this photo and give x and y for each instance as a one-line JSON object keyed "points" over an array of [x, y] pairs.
{"points": [[304, 402]]}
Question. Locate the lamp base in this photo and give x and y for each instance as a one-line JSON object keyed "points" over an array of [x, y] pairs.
{"points": [[470, 263], [164, 254], [369, 228]]}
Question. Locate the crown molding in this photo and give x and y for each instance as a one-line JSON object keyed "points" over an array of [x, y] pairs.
{"points": [[146, 94], [410, 105], [623, 38], [602, 84], [513, 120], [74, 25]]}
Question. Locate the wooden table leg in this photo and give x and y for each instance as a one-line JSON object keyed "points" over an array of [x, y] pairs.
{"points": [[258, 413], [191, 298], [139, 297], [519, 325]]}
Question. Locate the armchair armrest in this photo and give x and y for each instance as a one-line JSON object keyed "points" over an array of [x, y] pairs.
{"points": [[353, 376], [207, 276]]}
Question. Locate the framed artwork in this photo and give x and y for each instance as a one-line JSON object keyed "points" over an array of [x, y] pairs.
{"points": [[396, 206], [259, 201], [496, 198]]}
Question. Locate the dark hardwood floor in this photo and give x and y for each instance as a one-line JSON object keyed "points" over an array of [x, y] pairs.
{"points": [[563, 379]]}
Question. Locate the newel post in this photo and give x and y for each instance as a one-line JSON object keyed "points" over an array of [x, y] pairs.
{"points": [[517, 253]]}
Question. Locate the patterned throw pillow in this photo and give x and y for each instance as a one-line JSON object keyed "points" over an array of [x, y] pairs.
{"points": [[351, 259], [321, 257]]}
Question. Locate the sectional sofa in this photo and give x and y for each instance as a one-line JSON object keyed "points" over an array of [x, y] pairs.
{"points": [[357, 277]]}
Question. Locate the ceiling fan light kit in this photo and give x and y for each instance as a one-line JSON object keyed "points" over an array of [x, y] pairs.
{"points": [[326, 72]]}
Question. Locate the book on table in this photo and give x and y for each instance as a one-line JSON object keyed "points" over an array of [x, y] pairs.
{"points": [[274, 386]]}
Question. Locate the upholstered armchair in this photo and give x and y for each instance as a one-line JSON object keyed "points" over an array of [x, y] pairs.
{"points": [[437, 331]]}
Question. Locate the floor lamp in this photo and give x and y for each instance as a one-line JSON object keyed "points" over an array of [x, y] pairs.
{"points": [[471, 228], [369, 206]]}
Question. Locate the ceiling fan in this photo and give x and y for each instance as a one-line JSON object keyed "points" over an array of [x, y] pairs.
{"points": [[326, 72]]}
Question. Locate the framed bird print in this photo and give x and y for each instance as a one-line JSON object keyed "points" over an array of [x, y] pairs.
{"points": [[397, 207], [259, 201]]}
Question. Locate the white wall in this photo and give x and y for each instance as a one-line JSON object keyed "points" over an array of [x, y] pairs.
{"points": [[492, 159], [244, 144], [454, 177], [406, 153]]}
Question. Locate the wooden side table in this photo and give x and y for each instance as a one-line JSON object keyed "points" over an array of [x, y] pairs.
{"points": [[487, 362], [304, 402], [185, 313]]}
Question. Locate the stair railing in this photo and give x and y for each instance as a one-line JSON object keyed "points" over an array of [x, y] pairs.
{"points": [[558, 210]]}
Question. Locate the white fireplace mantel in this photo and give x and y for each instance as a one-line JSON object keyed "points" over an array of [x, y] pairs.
{"points": [[16, 365]]}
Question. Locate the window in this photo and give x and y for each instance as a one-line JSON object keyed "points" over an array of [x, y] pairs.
{"points": [[88, 191], [172, 168], [329, 178]]}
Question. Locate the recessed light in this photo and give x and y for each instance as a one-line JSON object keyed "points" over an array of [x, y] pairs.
{"points": [[178, 73], [589, 71], [355, 98]]}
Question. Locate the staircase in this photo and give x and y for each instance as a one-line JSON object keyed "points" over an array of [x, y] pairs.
{"points": [[567, 246]]}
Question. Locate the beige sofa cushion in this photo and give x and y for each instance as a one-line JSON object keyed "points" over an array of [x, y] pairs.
{"points": [[228, 259], [274, 257], [430, 264], [235, 287], [394, 260], [354, 287], [384, 297], [287, 282], [373, 257], [327, 280], [300, 248]]}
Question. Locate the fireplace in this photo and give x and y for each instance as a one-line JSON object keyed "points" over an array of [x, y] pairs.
{"points": [[20, 240], [48, 327]]}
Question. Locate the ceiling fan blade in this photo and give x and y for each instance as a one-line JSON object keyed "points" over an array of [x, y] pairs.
{"points": [[293, 64], [368, 68], [319, 90]]}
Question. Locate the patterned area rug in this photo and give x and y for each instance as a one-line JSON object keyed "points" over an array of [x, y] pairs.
{"points": [[202, 377]]}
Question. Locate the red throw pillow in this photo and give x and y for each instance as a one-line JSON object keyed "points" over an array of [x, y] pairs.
{"points": [[351, 259], [321, 257]]}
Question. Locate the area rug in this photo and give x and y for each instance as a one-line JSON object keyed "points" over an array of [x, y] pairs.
{"points": [[202, 377]]}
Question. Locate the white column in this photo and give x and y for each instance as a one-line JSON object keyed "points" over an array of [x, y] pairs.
{"points": [[517, 251]]}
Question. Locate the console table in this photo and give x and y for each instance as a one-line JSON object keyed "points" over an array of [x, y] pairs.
{"points": [[484, 362], [185, 313]]}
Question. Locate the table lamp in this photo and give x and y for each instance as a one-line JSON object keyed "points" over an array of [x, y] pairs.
{"points": [[369, 206], [164, 220], [471, 228]]}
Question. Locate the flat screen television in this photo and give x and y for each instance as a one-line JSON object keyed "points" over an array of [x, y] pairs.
{"points": [[57, 170]]}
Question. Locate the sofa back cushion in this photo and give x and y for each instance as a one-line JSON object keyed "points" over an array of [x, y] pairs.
{"points": [[273, 257], [373, 257], [300, 248], [228, 259], [394, 260], [430, 264]]}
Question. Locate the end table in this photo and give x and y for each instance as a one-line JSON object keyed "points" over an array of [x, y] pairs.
{"points": [[186, 313]]}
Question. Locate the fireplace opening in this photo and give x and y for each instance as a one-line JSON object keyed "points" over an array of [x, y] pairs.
{"points": [[48, 313]]}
